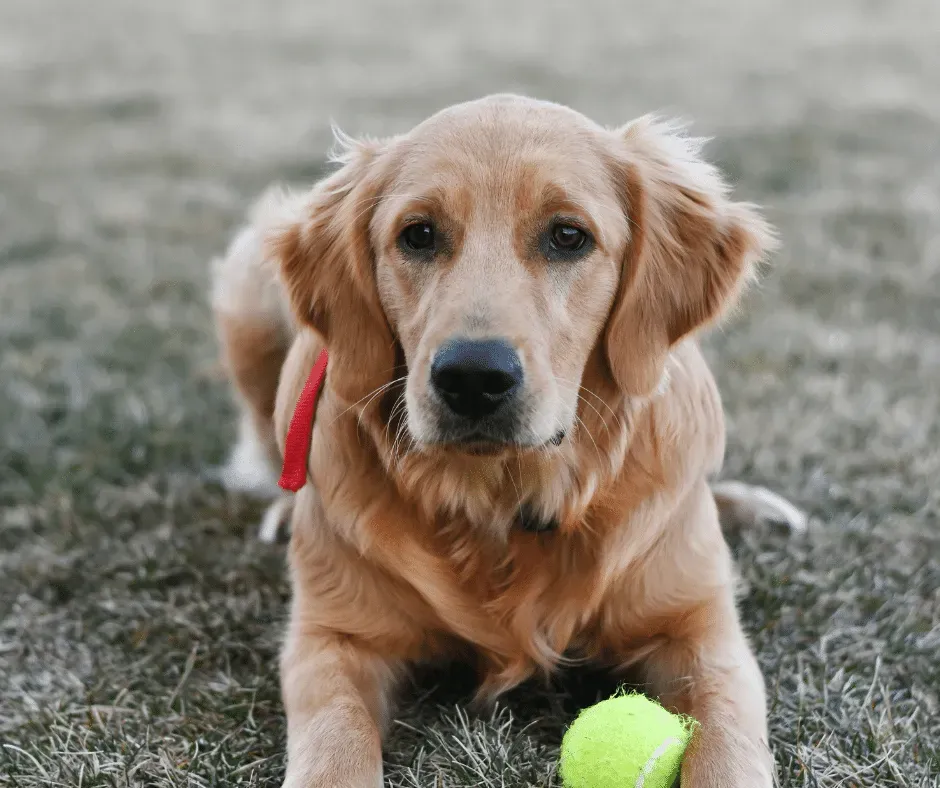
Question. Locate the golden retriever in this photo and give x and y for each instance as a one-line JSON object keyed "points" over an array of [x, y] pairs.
{"points": [[511, 452]]}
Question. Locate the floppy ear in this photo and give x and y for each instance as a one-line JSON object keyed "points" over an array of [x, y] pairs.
{"points": [[328, 266], [690, 252]]}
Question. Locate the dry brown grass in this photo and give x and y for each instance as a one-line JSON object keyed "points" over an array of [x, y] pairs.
{"points": [[139, 619]]}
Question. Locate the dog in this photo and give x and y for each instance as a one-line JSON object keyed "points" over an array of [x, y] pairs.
{"points": [[511, 454]]}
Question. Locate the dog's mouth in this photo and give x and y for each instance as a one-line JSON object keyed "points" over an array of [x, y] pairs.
{"points": [[480, 445]]}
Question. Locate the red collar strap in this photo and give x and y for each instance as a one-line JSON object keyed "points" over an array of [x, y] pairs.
{"points": [[297, 445]]}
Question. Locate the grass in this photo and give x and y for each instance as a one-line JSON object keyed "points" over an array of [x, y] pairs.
{"points": [[140, 620]]}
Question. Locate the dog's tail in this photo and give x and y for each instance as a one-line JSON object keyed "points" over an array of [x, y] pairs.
{"points": [[747, 504]]}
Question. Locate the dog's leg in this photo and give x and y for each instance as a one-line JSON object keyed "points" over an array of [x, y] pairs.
{"points": [[703, 665], [714, 677], [717, 682], [336, 697], [255, 332]]}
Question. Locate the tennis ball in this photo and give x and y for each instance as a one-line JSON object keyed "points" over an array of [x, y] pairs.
{"points": [[627, 741]]}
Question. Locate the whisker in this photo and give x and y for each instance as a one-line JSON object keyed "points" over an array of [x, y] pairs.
{"points": [[403, 450], [602, 419], [603, 402], [586, 390], [581, 388], [596, 447], [393, 451], [513, 481], [372, 394], [400, 433], [599, 416], [400, 405]]}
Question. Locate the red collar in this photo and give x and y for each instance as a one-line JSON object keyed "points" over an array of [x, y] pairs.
{"points": [[297, 444]]}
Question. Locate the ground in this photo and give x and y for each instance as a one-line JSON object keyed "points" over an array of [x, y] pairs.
{"points": [[140, 618]]}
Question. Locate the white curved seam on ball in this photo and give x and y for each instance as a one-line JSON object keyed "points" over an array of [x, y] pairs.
{"points": [[658, 753]]}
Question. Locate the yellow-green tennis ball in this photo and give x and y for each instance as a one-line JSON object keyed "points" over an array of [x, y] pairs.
{"points": [[627, 741]]}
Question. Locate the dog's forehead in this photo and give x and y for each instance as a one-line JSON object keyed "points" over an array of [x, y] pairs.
{"points": [[505, 113], [504, 145]]}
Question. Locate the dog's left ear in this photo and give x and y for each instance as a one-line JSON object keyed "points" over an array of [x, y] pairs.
{"points": [[690, 252]]}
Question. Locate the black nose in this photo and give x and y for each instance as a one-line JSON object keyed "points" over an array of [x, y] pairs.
{"points": [[475, 377]]}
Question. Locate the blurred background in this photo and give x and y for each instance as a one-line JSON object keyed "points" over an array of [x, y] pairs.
{"points": [[140, 619]]}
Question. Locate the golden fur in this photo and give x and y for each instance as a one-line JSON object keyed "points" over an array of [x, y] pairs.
{"points": [[403, 548]]}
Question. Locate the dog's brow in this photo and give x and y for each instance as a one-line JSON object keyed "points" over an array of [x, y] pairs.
{"points": [[370, 202], [432, 201], [437, 201]]}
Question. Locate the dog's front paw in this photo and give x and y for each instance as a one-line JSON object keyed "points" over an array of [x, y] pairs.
{"points": [[330, 777], [726, 760]]}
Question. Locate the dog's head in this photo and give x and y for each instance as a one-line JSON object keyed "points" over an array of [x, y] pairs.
{"points": [[486, 256]]}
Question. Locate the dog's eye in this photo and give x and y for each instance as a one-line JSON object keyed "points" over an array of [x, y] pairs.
{"points": [[418, 237], [567, 238]]}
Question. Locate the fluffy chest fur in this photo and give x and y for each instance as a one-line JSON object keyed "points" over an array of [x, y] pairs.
{"points": [[427, 551]]}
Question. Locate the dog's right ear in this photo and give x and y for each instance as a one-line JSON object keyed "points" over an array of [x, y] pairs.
{"points": [[327, 264]]}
